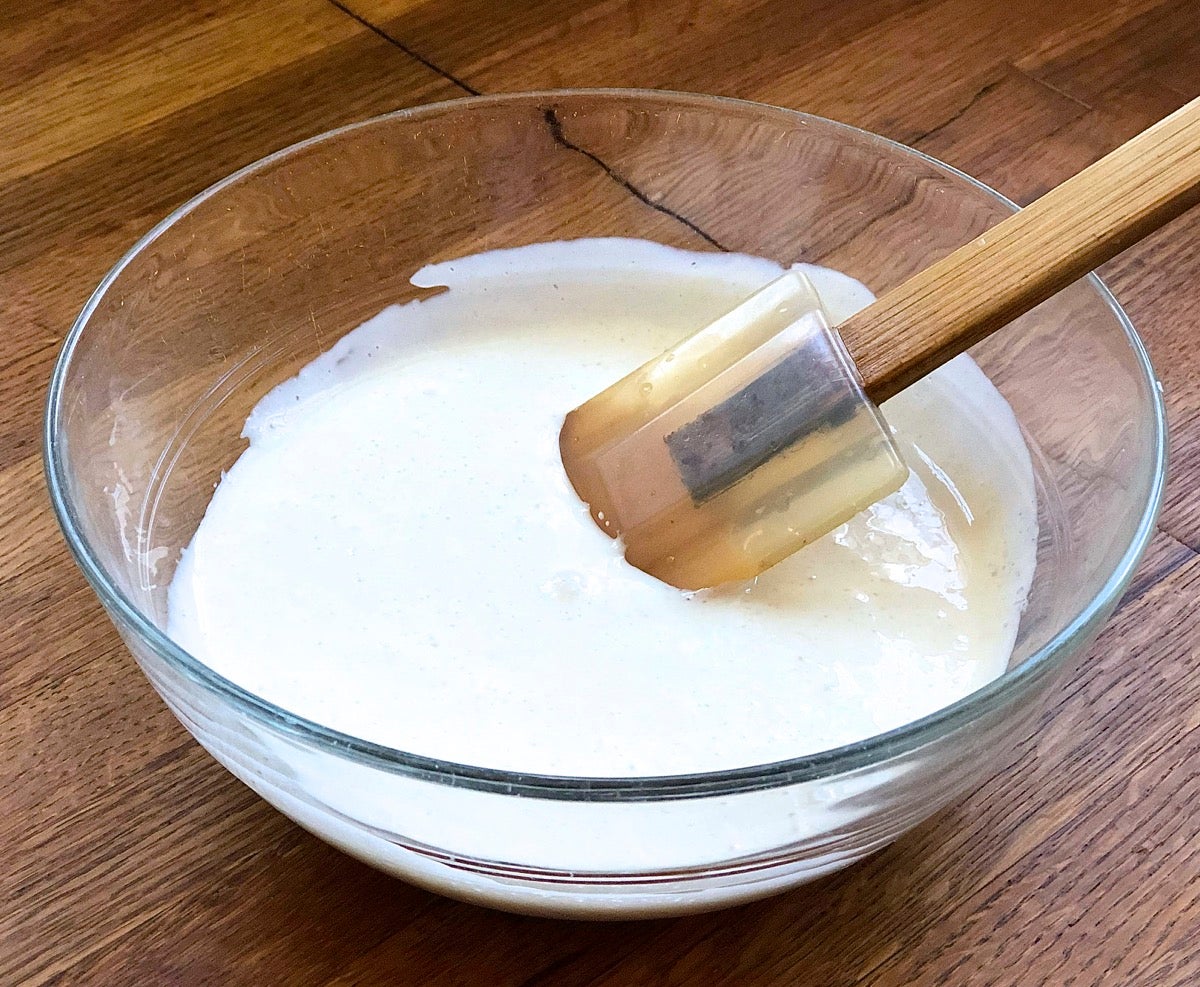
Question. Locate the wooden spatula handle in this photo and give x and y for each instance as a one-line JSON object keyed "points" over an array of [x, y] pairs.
{"points": [[1025, 259]]}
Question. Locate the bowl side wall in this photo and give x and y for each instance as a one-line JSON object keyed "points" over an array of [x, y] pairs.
{"points": [[252, 281]]}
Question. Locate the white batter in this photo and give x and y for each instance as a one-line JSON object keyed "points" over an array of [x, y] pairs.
{"points": [[398, 554]]}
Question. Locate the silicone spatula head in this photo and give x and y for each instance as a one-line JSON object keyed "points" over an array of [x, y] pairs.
{"points": [[756, 436], [736, 447]]}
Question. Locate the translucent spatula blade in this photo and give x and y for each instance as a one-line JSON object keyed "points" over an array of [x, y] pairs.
{"points": [[735, 448]]}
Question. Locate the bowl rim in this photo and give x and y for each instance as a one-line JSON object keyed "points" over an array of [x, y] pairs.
{"points": [[824, 764]]}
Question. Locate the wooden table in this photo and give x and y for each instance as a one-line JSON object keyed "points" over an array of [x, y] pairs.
{"points": [[127, 856]]}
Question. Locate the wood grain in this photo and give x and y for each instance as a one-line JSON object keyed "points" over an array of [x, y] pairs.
{"points": [[1057, 239], [129, 857]]}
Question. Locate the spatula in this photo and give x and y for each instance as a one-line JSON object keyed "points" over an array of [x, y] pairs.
{"points": [[761, 433]]}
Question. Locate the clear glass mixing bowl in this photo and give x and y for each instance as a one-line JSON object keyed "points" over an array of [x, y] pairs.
{"points": [[252, 279]]}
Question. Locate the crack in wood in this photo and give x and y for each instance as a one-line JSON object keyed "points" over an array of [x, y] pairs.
{"points": [[970, 104], [556, 131], [990, 88]]}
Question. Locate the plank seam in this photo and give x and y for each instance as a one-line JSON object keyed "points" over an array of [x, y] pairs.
{"points": [[410, 52], [552, 121], [1181, 542], [1144, 583], [1053, 88]]}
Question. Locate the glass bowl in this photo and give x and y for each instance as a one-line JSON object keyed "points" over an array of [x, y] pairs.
{"points": [[252, 279]]}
